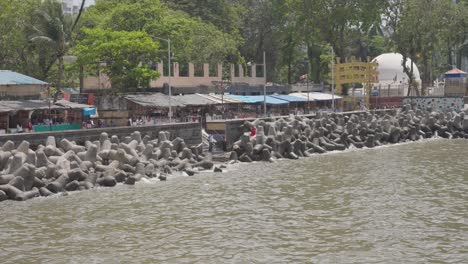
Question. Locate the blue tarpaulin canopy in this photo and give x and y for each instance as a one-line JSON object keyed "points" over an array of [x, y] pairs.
{"points": [[254, 99], [89, 111]]}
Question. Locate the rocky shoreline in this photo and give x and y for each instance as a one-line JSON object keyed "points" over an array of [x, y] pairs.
{"points": [[296, 137], [64, 167]]}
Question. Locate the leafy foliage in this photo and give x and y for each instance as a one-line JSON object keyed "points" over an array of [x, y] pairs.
{"points": [[125, 56], [297, 35]]}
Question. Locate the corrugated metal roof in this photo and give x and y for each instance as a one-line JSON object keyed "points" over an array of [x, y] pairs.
{"points": [[195, 99], [10, 106], [154, 100], [218, 98], [162, 100], [14, 78], [72, 105]]}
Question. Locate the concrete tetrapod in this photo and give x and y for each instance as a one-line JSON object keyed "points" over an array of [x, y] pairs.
{"points": [[295, 137], [68, 166]]}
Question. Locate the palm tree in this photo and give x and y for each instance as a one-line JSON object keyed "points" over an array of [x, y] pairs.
{"points": [[53, 29], [79, 15]]}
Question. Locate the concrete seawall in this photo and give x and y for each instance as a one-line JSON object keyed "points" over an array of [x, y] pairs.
{"points": [[190, 132]]}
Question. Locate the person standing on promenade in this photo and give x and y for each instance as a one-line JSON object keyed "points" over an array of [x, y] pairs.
{"points": [[210, 143]]}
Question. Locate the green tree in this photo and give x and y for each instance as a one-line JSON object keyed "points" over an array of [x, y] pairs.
{"points": [[223, 14], [418, 36], [350, 27], [16, 52], [343, 23], [192, 40], [456, 34], [262, 32], [52, 29], [126, 57]]}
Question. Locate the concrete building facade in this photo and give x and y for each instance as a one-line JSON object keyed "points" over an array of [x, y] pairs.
{"points": [[239, 74], [70, 7]]}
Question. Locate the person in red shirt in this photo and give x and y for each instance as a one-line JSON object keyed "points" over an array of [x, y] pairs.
{"points": [[253, 131], [30, 126]]}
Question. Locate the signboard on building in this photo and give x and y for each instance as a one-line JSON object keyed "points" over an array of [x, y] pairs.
{"points": [[83, 98]]}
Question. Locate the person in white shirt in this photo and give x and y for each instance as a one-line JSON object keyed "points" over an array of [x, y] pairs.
{"points": [[19, 128]]}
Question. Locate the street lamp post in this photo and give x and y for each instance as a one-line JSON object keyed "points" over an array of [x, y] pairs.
{"points": [[264, 85], [308, 92], [222, 86], [333, 79], [168, 40], [50, 112]]}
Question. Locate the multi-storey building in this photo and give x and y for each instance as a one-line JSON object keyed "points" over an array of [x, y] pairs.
{"points": [[72, 7]]}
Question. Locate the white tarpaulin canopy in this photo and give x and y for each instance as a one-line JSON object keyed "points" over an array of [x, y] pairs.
{"points": [[317, 96]]}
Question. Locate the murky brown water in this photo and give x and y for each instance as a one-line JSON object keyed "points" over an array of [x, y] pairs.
{"points": [[398, 204]]}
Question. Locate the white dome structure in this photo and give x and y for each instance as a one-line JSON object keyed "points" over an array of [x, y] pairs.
{"points": [[391, 72], [390, 68]]}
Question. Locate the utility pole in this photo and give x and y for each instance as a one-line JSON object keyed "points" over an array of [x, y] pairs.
{"points": [[264, 86], [169, 55], [308, 92], [333, 79]]}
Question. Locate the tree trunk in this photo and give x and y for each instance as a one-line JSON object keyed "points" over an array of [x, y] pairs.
{"points": [[449, 53], [81, 78], [426, 73], [59, 73], [290, 51], [79, 15], [409, 73], [313, 56], [459, 58]]}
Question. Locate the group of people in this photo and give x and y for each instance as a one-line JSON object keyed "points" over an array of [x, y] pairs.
{"points": [[140, 121], [90, 123]]}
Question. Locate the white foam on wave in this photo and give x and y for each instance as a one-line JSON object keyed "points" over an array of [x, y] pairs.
{"points": [[236, 166]]}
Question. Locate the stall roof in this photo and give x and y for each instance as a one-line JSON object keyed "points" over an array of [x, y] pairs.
{"points": [[14, 78], [195, 99], [218, 98], [290, 98], [10, 106], [455, 73], [317, 96], [253, 99], [72, 105], [154, 100], [162, 100]]}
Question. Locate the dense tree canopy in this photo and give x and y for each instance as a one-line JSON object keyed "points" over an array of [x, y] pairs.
{"points": [[298, 36], [125, 56]]}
